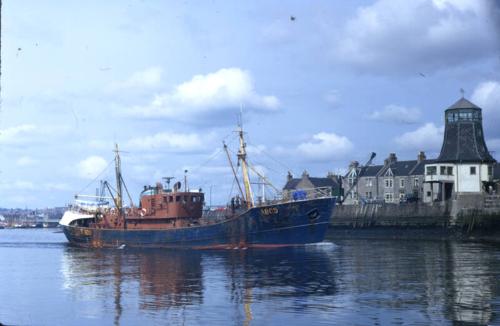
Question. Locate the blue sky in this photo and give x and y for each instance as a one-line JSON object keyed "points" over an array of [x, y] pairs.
{"points": [[166, 80]]}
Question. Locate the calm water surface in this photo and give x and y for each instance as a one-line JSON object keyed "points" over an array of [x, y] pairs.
{"points": [[339, 282]]}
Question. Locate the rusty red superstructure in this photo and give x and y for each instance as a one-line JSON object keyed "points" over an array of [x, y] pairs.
{"points": [[159, 208]]}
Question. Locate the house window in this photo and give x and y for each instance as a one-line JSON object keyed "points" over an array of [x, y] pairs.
{"points": [[401, 183], [369, 194], [431, 170], [401, 196], [388, 183], [490, 170], [428, 193], [449, 170], [442, 170], [415, 182], [369, 182], [388, 197], [472, 170]]}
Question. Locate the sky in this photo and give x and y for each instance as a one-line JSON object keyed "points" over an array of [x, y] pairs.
{"points": [[319, 84]]}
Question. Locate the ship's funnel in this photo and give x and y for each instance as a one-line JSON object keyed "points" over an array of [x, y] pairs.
{"points": [[463, 135]]}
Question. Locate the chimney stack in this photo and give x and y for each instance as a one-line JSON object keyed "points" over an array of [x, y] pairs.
{"points": [[421, 156], [390, 159], [353, 165]]}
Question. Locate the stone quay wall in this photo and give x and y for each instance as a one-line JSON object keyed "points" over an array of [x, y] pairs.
{"points": [[466, 216]]}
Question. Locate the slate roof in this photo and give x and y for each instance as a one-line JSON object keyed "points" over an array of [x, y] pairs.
{"points": [[317, 182], [323, 182], [400, 168], [463, 104], [370, 171], [464, 142], [420, 167], [292, 184]]}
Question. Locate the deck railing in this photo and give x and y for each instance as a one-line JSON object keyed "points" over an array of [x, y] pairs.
{"points": [[221, 212]]}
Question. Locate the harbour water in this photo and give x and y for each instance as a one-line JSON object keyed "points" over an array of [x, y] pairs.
{"points": [[338, 282]]}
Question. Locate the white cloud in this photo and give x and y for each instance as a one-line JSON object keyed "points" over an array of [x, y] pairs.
{"points": [[422, 35], [25, 161], [429, 137], [167, 141], [487, 96], [29, 133], [325, 146], [147, 78], [91, 167], [396, 113], [17, 134], [223, 90]]}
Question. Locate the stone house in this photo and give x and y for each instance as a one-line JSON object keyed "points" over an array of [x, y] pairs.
{"points": [[306, 182], [392, 182]]}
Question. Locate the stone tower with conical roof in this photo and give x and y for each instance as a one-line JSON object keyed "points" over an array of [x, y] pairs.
{"points": [[464, 164]]}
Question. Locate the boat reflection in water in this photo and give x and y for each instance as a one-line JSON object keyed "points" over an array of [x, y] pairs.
{"points": [[172, 282], [360, 282]]}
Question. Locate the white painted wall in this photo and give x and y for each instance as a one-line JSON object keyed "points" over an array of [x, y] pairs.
{"points": [[462, 178], [465, 182]]}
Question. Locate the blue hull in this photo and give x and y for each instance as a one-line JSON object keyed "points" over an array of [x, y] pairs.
{"points": [[286, 224]]}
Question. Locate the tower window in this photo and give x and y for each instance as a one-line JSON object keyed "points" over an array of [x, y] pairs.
{"points": [[472, 170]]}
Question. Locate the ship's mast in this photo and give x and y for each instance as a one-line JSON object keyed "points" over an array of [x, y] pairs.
{"points": [[118, 171], [242, 156]]}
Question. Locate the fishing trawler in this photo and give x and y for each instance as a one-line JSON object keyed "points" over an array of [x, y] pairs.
{"points": [[175, 217]]}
